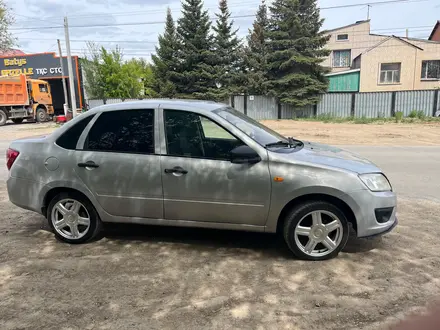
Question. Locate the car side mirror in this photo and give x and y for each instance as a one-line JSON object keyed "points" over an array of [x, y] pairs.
{"points": [[244, 155]]}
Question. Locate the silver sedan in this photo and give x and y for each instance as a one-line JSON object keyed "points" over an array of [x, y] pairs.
{"points": [[197, 164]]}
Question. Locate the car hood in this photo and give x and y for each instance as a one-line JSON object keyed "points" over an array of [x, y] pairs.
{"points": [[326, 155]]}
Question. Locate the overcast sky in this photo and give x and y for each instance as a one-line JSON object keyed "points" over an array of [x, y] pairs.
{"points": [[139, 40]]}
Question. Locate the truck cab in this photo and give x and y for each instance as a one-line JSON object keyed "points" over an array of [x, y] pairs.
{"points": [[40, 91]]}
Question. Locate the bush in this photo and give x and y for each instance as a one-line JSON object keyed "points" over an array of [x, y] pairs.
{"points": [[399, 116], [421, 115], [413, 114]]}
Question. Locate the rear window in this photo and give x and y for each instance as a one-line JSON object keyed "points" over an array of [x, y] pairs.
{"points": [[70, 138]]}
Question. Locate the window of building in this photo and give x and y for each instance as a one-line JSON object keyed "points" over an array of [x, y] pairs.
{"points": [[342, 37], [390, 73], [69, 139], [341, 58], [130, 131], [191, 135], [431, 69]]}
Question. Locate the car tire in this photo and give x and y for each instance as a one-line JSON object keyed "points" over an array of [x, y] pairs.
{"points": [[77, 209], [17, 120], [316, 230], [3, 118], [41, 115]]}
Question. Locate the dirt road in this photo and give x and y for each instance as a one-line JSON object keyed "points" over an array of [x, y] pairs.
{"points": [[144, 277]]}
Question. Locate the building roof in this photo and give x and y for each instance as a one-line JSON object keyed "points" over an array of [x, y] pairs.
{"points": [[391, 37], [436, 26], [11, 52], [349, 25]]}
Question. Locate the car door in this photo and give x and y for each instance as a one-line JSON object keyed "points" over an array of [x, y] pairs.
{"points": [[199, 181], [119, 164]]}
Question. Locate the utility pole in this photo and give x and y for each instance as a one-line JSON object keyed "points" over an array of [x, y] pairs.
{"points": [[368, 11], [407, 33], [69, 68], [66, 98]]}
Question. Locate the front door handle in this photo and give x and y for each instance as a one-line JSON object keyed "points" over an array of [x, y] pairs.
{"points": [[88, 164], [176, 170]]}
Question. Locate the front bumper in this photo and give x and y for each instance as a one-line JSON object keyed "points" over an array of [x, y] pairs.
{"points": [[365, 202]]}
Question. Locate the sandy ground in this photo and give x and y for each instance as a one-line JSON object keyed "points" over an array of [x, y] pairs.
{"points": [[145, 277], [331, 133], [360, 134]]}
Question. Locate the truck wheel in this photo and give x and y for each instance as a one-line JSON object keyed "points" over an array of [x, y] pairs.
{"points": [[3, 117], [17, 120], [41, 115]]}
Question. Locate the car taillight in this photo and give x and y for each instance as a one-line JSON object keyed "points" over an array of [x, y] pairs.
{"points": [[11, 156]]}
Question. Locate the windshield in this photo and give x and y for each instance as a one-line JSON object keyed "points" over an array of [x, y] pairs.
{"points": [[252, 128]]}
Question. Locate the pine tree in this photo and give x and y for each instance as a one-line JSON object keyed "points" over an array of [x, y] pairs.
{"points": [[194, 76], [226, 54], [296, 49], [165, 59], [255, 56]]}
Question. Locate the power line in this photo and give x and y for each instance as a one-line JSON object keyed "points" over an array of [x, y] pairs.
{"points": [[214, 18]]}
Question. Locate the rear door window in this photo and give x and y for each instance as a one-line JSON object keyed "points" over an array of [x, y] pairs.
{"points": [[128, 131], [69, 139]]}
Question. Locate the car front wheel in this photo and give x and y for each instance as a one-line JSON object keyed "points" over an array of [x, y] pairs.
{"points": [[316, 230], [73, 218]]}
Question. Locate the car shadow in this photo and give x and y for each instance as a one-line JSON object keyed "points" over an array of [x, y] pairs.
{"points": [[201, 238], [198, 238]]}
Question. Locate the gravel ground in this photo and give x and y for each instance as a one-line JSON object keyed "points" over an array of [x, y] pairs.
{"points": [[146, 277]]}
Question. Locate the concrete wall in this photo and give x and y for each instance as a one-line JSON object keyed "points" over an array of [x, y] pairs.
{"points": [[359, 40], [397, 51]]}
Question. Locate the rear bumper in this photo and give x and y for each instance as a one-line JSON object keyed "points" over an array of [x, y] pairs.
{"points": [[25, 193]]}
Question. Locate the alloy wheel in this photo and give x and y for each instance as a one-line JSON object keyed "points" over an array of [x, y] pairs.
{"points": [[318, 233], [70, 219]]}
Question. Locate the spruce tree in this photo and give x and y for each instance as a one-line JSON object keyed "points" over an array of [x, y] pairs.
{"points": [[194, 76], [165, 60], [226, 55], [296, 50], [255, 56]]}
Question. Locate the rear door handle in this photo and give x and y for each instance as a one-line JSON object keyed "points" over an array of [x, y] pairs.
{"points": [[177, 170], [88, 164]]}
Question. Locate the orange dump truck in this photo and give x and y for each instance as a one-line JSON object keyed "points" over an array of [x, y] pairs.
{"points": [[22, 98]]}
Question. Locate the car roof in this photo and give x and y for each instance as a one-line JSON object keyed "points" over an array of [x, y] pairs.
{"points": [[175, 104]]}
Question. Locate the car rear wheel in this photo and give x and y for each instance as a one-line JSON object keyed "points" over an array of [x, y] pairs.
{"points": [[73, 218], [316, 230]]}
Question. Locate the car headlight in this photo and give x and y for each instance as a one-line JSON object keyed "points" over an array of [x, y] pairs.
{"points": [[375, 181]]}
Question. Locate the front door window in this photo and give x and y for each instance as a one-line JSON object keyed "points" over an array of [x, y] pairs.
{"points": [[191, 135]]}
